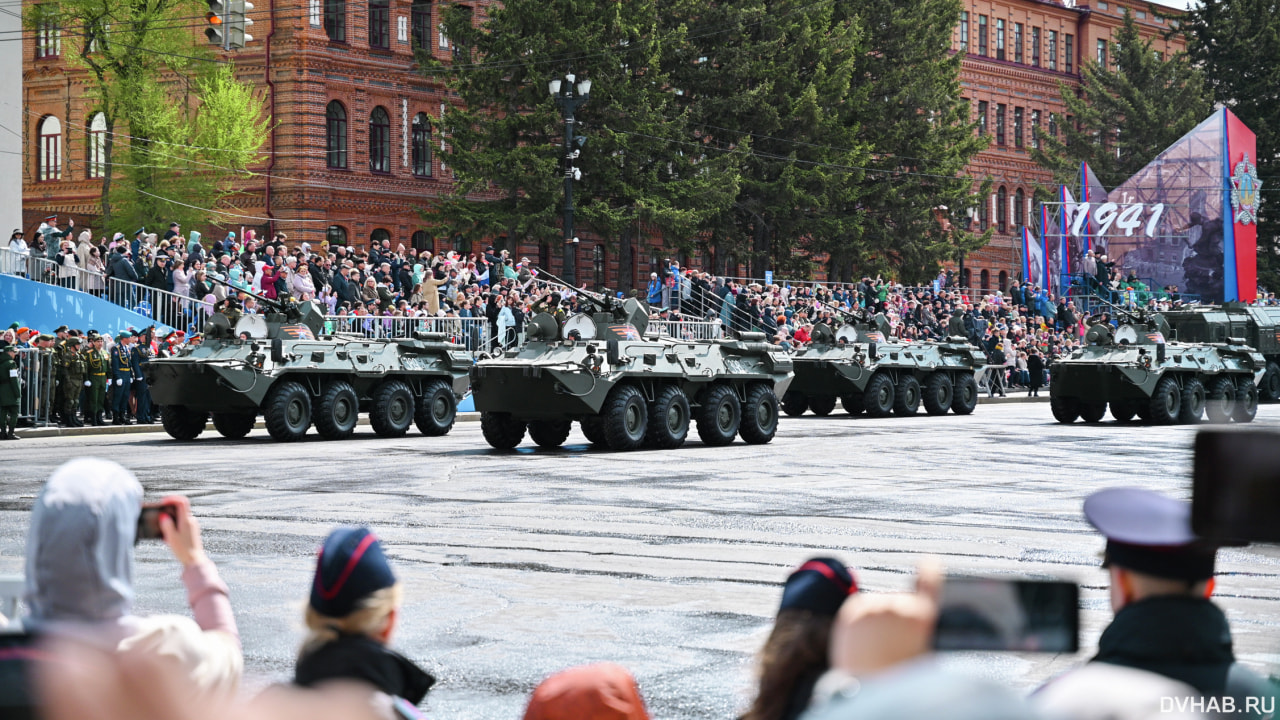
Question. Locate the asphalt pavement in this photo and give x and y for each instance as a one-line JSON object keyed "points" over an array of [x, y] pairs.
{"points": [[518, 564]]}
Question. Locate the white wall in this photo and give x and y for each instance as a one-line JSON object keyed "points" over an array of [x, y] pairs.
{"points": [[11, 146]]}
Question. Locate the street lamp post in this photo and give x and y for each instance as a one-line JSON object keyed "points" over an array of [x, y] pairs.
{"points": [[563, 92]]}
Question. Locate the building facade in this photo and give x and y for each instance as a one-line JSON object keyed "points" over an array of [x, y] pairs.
{"points": [[356, 150]]}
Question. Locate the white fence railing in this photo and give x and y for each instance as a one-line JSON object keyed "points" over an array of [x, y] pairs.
{"points": [[688, 329], [470, 332]]}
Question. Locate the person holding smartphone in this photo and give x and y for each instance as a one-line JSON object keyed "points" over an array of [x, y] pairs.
{"points": [[79, 574]]}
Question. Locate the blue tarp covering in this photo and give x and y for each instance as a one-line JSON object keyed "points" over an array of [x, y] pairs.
{"points": [[45, 307]]}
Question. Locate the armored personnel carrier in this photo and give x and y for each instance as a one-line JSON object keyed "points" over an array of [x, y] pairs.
{"points": [[625, 387], [1257, 326], [279, 366], [856, 364], [1138, 372]]}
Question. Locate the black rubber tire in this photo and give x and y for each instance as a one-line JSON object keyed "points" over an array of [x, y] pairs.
{"points": [[719, 415], [183, 423], [1269, 390], [879, 396], [938, 393], [337, 411], [1220, 401], [1123, 410], [234, 426], [1093, 412], [965, 395], [626, 418], [822, 405], [287, 411], [1192, 401], [501, 430], [593, 428], [1166, 402], [549, 433], [391, 409], [1065, 409], [759, 415], [1246, 402], [436, 409], [669, 419], [1143, 410], [906, 397], [852, 403], [794, 403]]}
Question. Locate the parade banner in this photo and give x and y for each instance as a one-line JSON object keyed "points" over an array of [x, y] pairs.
{"points": [[1034, 268]]}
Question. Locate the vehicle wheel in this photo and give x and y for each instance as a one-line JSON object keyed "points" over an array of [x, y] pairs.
{"points": [[794, 403], [1192, 401], [1246, 402], [906, 397], [1166, 402], [391, 411], [1220, 401], [337, 411], [234, 425], [436, 409], [1143, 410], [549, 433], [668, 419], [1065, 410], [183, 423], [1123, 410], [501, 430], [719, 415], [626, 418], [759, 415], [965, 396], [938, 394], [1270, 389], [287, 412], [852, 403], [878, 397], [593, 428], [822, 405], [1093, 412]]}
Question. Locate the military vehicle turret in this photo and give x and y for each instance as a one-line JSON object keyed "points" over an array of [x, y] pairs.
{"points": [[280, 366], [868, 370], [1139, 372], [626, 387], [1258, 326]]}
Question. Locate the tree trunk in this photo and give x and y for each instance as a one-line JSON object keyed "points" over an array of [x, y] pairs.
{"points": [[108, 152], [626, 268], [760, 254]]}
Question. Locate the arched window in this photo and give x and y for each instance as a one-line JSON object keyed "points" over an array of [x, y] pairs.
{"points": [[378, 235], [421, 14], [336, 132], [97, 146], [50, 149], [1004, 280], [421, 145], [380, 24], [1019, 209], [597, 264], [985, 278], [984, 214], [336, 235], [335, 21], [1002, 209], [421, 240], [379, 140]]}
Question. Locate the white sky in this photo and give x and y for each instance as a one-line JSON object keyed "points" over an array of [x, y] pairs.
{"points": [[1181, 4]]}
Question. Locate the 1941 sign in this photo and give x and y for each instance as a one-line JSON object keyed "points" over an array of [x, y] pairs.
{"points": [[1128, 217]]}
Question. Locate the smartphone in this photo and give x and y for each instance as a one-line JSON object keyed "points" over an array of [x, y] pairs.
{"points": [[1235, 486], [149, 520], [1006, 614]]}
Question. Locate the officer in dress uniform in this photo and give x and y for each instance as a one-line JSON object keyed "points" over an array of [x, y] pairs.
{"points": [[1161, 582], [10, 390], [96, 365], [121, 379], [140, 354]]}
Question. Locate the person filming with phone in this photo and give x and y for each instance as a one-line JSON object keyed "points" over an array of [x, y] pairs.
{"points": [[79, 574]]}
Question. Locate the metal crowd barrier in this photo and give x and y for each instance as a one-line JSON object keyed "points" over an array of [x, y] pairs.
{"points": [[166, 308], [688, 329], [35, 369], [473, 333]]}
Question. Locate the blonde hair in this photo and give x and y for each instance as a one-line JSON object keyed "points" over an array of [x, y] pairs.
{"points": [[369, 618]]}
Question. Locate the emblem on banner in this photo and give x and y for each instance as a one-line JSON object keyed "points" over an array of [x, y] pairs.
{"points": [[1244, 192]]}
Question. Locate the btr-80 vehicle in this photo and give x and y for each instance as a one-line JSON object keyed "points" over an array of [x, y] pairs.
{"points": [[278, 365], [866, 368], [627, 388], [1257, 325], [1136, 370]]}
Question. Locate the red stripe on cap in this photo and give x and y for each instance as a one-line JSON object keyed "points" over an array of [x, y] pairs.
{"points": [[829, 574], [331, 593]]}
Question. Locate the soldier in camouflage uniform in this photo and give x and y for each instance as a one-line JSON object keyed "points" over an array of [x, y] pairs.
{"points": [[96, 365], [72, 379]]}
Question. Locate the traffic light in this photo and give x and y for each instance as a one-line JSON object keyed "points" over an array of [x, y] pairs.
{"points": [[217, 21], [238, 21]]}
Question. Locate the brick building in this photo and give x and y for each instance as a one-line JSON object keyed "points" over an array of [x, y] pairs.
{"points": [[355, 148]]}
